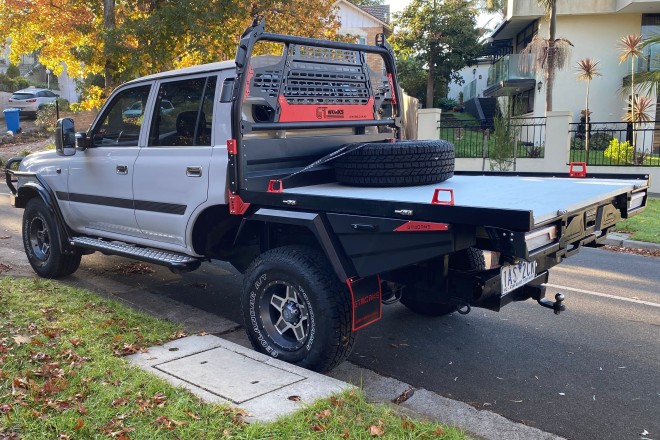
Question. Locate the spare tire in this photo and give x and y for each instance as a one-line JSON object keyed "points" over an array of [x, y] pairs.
{"points": [[403, 163]]}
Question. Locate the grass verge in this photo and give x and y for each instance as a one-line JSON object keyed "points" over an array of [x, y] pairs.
{"points": [[644, 226], [62, 376]]}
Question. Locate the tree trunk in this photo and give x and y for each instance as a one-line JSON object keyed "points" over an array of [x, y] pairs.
{"points": [[430, 84], [587, 125], [108, 26], [550, 79]]}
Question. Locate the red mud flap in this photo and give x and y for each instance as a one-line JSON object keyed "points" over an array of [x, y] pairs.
{"points": [[366, 298]]}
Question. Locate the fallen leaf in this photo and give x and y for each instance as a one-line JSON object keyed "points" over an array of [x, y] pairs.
{"points": [[407, 394], [192, 415], [294, 398], [79, 424], [346, 433], [323, 414], [21, 339], [318, 428], [439, 431], [407, 424], [377, 430]]}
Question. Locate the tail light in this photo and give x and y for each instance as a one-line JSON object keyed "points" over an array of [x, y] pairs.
{"points": [[31, 100]]}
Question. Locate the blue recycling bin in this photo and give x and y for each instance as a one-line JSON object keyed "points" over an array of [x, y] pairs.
{"points": [[12, 120]]}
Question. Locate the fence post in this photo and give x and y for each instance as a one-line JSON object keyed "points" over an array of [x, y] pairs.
{"points": [[557, 140], [428, 123]]}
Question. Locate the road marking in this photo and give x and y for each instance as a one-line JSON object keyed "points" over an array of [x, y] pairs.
{"points": [[604, 295]]}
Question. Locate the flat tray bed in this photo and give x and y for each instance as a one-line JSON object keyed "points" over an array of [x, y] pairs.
{"points": [[544, 197]]}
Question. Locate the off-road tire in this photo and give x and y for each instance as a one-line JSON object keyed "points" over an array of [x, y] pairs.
{"points": [[403, 163], [42, 243], [467, 259], [302, 275]]}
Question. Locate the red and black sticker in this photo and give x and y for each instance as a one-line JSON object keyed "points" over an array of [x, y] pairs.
{"points": [[366, 298], [330, 112]]}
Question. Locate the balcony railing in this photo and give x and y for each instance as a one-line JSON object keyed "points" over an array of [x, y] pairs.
{"points": [[649, 61], [508, 68], [470, 90]]}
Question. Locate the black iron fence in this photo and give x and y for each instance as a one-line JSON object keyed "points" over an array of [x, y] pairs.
{"points": [[514, 138], [616, 143]]}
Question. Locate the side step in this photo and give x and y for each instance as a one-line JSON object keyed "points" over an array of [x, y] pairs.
{"points": [[175, 262]]}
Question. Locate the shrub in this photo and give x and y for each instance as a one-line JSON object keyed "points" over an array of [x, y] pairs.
{"points": [[13, 71], [577, 143], [619, 152], [599, 140], [448, 104]]}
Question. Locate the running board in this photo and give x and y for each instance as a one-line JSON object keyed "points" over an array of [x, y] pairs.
{"points": [[175, 262]]}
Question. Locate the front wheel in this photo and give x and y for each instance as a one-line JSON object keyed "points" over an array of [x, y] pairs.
{"points": [[42, 244], [296, 310]]}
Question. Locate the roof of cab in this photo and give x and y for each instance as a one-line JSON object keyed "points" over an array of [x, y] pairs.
{"points": [[202, 68]]}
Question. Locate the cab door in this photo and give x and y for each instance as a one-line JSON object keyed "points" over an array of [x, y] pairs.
{"points": [[172, 171], [100, 183]]}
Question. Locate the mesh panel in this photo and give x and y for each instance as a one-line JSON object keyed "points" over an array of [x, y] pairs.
{"points": [[324, 54]]}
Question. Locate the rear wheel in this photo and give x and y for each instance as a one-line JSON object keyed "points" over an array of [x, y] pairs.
{"points": [[42, 243], [467, 259], [295, 309]]}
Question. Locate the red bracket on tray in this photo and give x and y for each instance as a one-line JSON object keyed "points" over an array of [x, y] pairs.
{"points": [[583, 169], [236, 205], [436, 197], [231, 146], [275, 186]]}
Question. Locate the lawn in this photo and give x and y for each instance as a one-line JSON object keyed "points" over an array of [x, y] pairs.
{"points": [[644, 226], [62, 376]]}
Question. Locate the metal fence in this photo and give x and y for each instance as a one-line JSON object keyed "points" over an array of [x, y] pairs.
{"points": [[616, 143], [520, 138]]}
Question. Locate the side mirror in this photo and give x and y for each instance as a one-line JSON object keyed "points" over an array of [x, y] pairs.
{"points": [[65, 137], [82, 141]]}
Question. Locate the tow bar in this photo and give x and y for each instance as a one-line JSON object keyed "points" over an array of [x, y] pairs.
{"points": [[557, 306]]}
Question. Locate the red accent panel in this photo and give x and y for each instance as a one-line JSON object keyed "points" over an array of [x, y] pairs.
{"points": [[231, 146], [436, 200], [389, 78], [236, 205], [275, 186], [422, 227], [332, 112], [581, 173], [250, 74], [366, 296]]}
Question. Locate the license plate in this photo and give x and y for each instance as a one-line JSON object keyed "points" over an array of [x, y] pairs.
{"points": [[516, 275]]}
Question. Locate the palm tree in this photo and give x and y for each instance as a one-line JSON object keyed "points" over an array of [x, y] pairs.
{"points": [[548, 55], [587, 69], [648, 82], [631, 48]]}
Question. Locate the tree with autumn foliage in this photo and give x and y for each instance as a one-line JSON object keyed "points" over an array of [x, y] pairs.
{"points": [[125, 39]]}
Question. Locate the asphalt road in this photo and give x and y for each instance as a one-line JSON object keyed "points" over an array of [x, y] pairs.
{"points": [[592, 372]]}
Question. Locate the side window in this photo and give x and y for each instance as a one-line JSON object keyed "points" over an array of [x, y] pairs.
{"points": [[122, 119], [185, 113]]}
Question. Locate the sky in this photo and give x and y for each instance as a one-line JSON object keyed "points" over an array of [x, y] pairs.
{"points": [[398, 5]]}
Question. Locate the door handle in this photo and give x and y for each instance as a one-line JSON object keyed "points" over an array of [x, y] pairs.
{"points": [[122, 169], [194, 171]]}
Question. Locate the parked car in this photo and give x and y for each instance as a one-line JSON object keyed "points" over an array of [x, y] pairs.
{"points": [[135, 109], [29, 100]]}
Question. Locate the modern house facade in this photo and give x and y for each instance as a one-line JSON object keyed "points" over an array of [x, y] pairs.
{"points": [[595, 28]]}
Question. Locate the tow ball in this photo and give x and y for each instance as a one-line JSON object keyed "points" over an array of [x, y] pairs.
{"points": [[557, 306]]}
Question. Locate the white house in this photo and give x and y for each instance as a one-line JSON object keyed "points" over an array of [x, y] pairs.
{"points": [[595, 28]]}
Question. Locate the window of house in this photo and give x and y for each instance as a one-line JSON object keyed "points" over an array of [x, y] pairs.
{"points": [[650, 59], [526, 36], [122, 119], [184, 113], [523, 103]]}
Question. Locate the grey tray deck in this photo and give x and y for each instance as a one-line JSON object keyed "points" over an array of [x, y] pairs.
{"points": [[543, 196]]}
